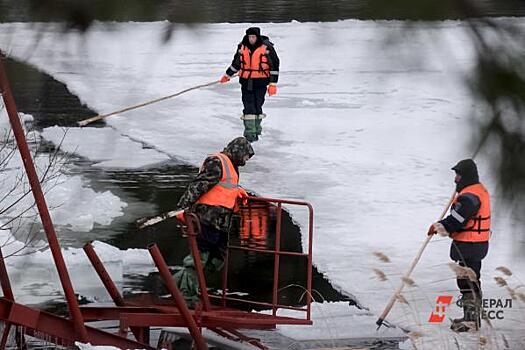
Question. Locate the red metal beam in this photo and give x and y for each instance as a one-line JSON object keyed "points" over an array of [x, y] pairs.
{"points": [[152, 320], [276, 262], [102, 313], [103, 275], [232, 334], [208, 320], [8, 294], [45, 325], [225, 277], [268, 251], [177, 296], [40, 200], [192, 238], [140, 334], [260, 303], [310, 262], [232, 322], [4, 279]]}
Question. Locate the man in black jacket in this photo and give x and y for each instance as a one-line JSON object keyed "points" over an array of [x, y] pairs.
{"points": [[257, 64], [469, 227]]}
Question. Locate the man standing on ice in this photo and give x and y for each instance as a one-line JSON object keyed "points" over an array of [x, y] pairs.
{"points": [[258, 66], [213, 196], [469, 227]]}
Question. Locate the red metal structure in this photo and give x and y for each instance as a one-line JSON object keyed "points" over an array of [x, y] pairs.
{"points": [[136, 317]]}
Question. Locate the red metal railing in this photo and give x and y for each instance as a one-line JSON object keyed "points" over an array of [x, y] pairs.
{"points": [[276, 252]]}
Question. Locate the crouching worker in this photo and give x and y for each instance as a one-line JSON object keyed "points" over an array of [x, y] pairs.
{"points": [[213, 197]]}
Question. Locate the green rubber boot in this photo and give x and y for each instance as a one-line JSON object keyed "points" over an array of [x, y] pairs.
{"points": [[250, 130], [258, 122], [187, 280], [471, 320]]}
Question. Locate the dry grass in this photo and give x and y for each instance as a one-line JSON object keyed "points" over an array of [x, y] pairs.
{"points": [[505, 341], [415, 335], [512, 293], [504, 270], [500, 281], [463, 272], [408, 281], [521, 296], [381, 256], [401, 299], [483, 341], [380, 275]]}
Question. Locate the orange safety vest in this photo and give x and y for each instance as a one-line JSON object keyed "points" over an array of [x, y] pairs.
{"points": [[224, 193], [254, 65], [477, 229]]}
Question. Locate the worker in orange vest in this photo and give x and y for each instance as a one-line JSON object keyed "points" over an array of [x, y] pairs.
{"points": [[257, 64], [214, 197], [469, 227]]}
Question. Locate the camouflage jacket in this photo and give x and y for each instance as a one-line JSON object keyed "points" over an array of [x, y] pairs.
{"points": [[208, 177], [238, 150]]}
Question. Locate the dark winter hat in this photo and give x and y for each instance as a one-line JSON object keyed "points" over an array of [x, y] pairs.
{"points": [[253, 31], [468, 171], [237, 149]]}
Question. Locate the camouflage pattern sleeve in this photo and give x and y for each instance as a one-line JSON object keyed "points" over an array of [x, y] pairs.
{"points": [[209, 176]]}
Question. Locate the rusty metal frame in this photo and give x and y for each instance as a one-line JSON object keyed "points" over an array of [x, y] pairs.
{"points": [[41, 204], [277, 252], [139, 315]]}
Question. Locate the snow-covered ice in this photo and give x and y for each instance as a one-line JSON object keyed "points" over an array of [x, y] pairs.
{"points": [[107, 147], [364, 131], [73, 205]]}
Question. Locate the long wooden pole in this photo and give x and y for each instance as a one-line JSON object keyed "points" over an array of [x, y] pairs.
{"points": [[393, 299], [103, 116]]}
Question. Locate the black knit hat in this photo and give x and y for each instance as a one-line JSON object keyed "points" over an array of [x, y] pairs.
{"points": [[253, 31], [468, 171]]}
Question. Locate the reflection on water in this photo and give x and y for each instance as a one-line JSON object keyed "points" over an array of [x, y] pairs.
{"points": [[253, 231]]}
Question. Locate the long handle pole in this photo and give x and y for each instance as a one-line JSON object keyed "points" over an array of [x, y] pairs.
{"points": [[103, 116], [393, 298]]}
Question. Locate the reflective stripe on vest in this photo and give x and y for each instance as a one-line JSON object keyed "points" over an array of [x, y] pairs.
{"points": [[254, 65], [224, 193], [477, 229]]}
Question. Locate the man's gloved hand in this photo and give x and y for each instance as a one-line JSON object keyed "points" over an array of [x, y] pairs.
{"points": [[243, 196], [438, 228], [272, 89], [224, 79], [441, 230], [180, 216]]}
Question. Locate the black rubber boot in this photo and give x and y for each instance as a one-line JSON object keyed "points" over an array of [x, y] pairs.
{"points": [[471, 320]]}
